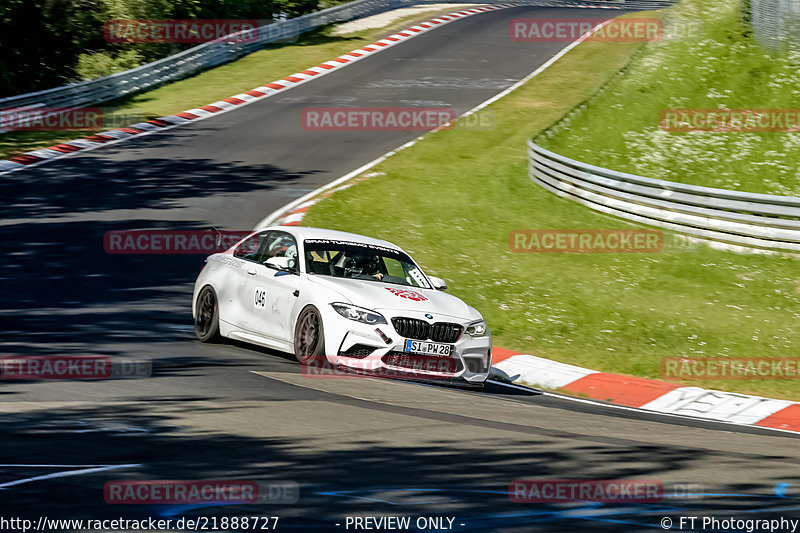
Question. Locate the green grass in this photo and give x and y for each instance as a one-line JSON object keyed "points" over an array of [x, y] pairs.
{"points": [[452, 199], [249, 72], [712, 62]]}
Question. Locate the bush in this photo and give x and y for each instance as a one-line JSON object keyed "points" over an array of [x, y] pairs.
{"points": [[101, 64], [47, 44]]}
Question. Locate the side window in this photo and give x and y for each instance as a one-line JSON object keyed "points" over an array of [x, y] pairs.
{"points": [[280, 244], [249, 247], [321, 262], [394, 268]]}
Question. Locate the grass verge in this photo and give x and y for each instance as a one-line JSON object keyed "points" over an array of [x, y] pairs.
{"points": [[710, 62], [452, 199], [256, 69]]}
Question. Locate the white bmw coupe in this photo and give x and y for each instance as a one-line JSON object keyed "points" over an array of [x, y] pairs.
{"points": [[340, 299]]}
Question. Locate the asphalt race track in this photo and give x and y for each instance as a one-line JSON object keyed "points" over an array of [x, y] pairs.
{"points": [[230, 411]]}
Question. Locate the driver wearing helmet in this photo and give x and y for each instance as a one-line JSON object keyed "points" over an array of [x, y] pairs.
{"points": [[283, 246], [363, 266], [291, 255], [279, 247]]}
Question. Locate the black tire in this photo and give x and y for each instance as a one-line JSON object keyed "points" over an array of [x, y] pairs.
{"points": [[206, 316], [309, 337]]}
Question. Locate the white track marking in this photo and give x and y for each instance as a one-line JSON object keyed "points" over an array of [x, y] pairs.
{"points": [[8, 166], [68, 473], [56, 466], [273, 217]]}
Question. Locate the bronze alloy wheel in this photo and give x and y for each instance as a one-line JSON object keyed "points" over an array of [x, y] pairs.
{"points": [[206, 317], [309, 341]]}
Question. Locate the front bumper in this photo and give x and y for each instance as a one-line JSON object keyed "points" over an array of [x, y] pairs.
{"points": [[379, 349]]}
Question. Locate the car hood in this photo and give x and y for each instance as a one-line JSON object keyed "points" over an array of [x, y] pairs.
{"points": [[388, 296]]}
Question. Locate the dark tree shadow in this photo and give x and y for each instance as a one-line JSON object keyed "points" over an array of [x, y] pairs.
{"points": [[59, 285], [442, 477]]}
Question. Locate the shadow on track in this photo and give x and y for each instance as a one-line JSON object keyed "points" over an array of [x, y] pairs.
{"points": [[60, 287], [438, 477]]}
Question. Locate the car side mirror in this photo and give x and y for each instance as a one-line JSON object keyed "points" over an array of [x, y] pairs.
{"points": [[281, 264], [438, 283]]}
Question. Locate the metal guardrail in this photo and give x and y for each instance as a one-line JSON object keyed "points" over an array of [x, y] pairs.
{"points": [[734, 217], [776, 24], [193, 59], [222, 50]]}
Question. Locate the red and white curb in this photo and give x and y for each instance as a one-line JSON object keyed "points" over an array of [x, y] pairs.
{"points": [[648, 394], [625, 392], [106, 138], [292, 213], [292, 216]]}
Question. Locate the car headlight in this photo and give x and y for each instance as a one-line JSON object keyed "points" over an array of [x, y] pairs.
{"points": [[478, 329], [359, 314]]}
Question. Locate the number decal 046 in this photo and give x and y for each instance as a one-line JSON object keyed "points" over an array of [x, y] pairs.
{"points": [[260, 298]]}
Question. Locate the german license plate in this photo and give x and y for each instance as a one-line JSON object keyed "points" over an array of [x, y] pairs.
{"points": [[428, 348]]}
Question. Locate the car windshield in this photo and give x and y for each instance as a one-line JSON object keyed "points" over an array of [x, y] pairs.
{"points": [[368, 262]]}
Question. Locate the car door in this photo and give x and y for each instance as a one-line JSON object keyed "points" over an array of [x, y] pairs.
{"points": [[248, 252], [271, 294]]}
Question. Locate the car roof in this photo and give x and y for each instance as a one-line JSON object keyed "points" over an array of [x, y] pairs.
{"points": [[303, 233]]}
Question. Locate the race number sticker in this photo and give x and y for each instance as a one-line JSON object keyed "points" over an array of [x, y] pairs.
{"points": [[260, 298], [407, 294]]}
